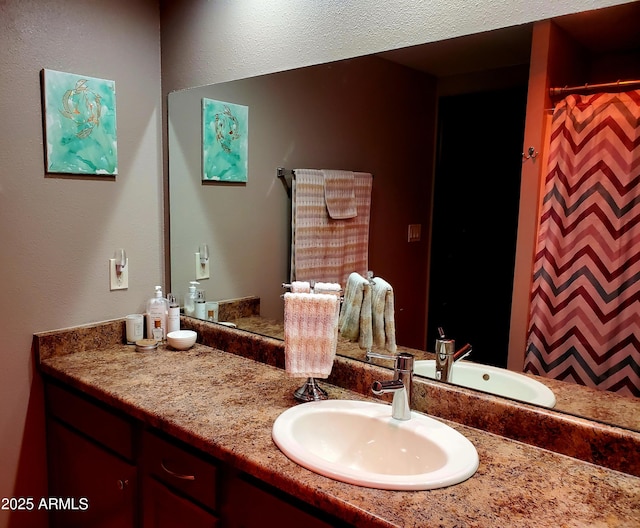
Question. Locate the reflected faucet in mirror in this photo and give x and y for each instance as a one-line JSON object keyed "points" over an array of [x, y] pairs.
{"points": [[446, 356]]}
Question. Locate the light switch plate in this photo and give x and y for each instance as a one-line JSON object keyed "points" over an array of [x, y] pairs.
{"points": [[415, 232], [118, 282], [202, 270]]}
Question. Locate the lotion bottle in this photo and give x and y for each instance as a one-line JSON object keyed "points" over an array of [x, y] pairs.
{"points": [[190, 299], [200, 310], [173, 316], [157, 308]]}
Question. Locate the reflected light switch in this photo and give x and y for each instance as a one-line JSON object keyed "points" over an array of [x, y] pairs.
{"points": [[202, 270], [414, 232]]}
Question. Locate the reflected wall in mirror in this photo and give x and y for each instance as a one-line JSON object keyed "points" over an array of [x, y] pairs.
{"points": [[364, 114], [378, 116]]}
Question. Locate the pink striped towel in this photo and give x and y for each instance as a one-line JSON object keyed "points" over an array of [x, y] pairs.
{"points": [[310, 333], [339, 194]]}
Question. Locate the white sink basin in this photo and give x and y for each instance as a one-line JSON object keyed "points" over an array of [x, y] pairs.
{"points": [[358, 442], [494, 380]]}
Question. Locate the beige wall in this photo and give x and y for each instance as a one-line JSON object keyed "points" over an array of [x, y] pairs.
{"points": [[57, 234]]}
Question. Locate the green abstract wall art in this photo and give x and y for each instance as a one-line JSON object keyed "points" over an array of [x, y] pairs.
{"points": [[225, 134], [80, 124]]}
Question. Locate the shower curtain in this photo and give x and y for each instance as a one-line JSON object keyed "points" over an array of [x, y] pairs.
{"points": [[585, 301]]}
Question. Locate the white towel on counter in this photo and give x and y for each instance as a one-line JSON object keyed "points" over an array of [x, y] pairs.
{"points": [[383, 315], [355, 316], [310, 333]]}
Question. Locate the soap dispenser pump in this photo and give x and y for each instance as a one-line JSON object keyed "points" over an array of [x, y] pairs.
{"points": [[157, 308], [190, 299]]}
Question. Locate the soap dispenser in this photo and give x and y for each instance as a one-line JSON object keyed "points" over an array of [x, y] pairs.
{"points": [[200, 310], [173, 315], [190, 299], [157, 308]]}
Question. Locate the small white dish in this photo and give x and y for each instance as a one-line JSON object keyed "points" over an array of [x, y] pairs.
{"points": [[181, 339]]}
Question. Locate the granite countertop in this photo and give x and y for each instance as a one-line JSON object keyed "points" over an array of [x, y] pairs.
{"points": [[225, 405]]}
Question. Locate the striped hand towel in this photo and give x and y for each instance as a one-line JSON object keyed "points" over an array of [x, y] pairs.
{"points": [[310, 333]]}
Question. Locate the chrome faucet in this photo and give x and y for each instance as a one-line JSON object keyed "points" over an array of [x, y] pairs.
{"points": [[400, 385], [446, 356]]}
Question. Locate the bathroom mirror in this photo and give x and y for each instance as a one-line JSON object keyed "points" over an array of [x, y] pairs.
{"points": [[373, 113]]}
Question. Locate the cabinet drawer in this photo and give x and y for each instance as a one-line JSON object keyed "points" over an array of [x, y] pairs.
{"points": [[91, 418], [180, 467], [161, 508]]}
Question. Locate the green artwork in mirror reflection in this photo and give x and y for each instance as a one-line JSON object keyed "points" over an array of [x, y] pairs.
{"points": [[225, 131], [80, 124]]}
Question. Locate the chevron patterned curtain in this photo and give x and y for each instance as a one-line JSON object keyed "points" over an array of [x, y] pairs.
{"points": [[585, 310]]}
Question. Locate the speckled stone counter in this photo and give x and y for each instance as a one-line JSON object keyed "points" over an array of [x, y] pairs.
{"points": [[225, 405]]}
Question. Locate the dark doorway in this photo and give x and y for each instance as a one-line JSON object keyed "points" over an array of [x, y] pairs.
{"points": [[475, 218]]}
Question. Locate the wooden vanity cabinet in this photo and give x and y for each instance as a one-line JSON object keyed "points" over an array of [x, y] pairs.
{"points": [[133, 476], [92, 471]]}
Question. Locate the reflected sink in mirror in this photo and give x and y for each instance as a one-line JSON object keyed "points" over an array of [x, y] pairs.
{"points": [[358, 442], [494, 380]]}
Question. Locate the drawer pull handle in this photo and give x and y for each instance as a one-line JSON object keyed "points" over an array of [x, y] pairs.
{"points": [[176, 475], [122, 484]]}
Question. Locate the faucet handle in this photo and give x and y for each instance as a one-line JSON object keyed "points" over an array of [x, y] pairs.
{"points": [[403, 360], [370, 355], [463, 352]]}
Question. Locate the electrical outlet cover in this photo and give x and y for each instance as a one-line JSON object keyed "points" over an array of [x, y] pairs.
{"points": [[202, 270], [118, 282]]}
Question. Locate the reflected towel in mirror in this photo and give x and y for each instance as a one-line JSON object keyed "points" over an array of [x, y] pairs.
{"points": [[383, 315], [323, 248], [339, 194], [300, 287], [355, 316], [332, 288], [310, 333]]}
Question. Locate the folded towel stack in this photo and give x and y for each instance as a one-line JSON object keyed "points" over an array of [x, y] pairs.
{"points": [[310, 333], [383, 315], [355, 316]]}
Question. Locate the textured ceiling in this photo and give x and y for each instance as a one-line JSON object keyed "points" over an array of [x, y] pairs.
{"points": [[599, 31]]}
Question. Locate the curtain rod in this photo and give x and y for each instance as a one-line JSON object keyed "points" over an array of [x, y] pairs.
{"points": [[555, 92]]}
